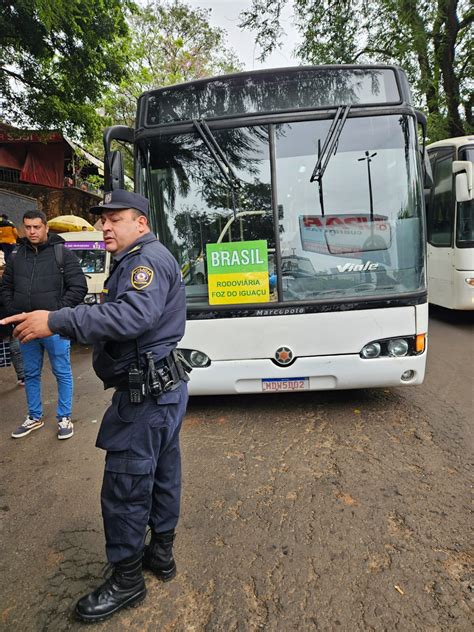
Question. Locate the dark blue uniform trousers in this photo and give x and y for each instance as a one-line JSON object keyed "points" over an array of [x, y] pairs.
{"points": [[142, 477]]}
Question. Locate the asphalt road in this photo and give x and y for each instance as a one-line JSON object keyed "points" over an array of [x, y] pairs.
{"points": [[340, 511]]}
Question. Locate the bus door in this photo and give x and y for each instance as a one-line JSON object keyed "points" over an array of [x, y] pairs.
{"points": [[464, 234], [440, 227]]}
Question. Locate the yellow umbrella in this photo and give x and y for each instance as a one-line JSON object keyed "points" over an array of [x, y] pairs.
{"points": [[65, 223]]}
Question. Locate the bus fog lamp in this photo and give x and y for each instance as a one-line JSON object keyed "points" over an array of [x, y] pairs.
{"points": [[198, 359], [408, 375], [372, 350], [398, 348], [90, 299]]}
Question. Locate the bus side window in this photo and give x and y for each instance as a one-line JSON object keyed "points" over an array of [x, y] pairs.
{"points": [[440, 209], [465, 211]]}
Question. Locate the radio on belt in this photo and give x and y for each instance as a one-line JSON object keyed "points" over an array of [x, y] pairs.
{"points": [[154, 382], [136, 384]]}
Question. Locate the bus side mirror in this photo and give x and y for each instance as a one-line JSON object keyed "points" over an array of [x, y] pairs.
{"points": [[462, 170], [114, 171]]}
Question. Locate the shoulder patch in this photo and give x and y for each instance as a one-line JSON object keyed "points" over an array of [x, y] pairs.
{"points": [[141, 277]]}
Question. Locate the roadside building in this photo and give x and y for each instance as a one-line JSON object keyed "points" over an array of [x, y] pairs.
{"points": [[47, 171]]}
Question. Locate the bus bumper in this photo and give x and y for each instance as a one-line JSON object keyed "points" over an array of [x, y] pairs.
{"points": [[322, 374]]}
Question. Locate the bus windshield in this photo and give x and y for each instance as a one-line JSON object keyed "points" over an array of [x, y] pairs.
{"points": [[356, 234]]}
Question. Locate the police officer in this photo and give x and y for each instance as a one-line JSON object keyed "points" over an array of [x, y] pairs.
{"points": [[135, 332]]}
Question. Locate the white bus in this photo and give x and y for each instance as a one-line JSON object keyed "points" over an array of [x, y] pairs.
{"points": [[293, 200], [450, 225]]}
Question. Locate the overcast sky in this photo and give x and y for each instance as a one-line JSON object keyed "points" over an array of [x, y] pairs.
{"points": [[225, 13]]}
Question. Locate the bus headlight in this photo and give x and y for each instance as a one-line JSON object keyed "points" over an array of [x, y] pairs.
{"points": [[398, 347], [372, 350], [197, 359], [394, 347], [469, 281]]}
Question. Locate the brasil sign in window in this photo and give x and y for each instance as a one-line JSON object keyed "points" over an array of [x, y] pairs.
{"points": [[238, 272]]}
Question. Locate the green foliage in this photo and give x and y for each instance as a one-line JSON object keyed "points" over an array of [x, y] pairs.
{"points": [[171, 43], [55, 59], [431, 40], [95, 181], [327, 25]]}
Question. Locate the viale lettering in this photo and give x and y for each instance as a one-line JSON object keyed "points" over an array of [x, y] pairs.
{"points": [[358, 267]]}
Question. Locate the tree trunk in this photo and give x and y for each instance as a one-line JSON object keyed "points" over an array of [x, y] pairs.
{"points": [[446, 54], [468, 106], [409, 14]]}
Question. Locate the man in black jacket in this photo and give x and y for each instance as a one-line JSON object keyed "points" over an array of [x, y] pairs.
{"points": [[42, 275]]}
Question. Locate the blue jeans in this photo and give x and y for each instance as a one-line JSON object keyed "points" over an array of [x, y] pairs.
{"points": [[60, 359]]}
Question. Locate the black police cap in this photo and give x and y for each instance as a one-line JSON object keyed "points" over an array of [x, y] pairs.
{"points": [[120, 199]]}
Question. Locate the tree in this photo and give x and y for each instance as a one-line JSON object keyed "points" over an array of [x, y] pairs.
{"points": [[171, 43], [431, 40], [56, 56]]}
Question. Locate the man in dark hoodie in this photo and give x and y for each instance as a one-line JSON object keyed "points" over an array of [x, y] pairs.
{"points": [[41, 274]]}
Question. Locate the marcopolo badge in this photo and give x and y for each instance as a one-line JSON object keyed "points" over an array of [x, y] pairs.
{"points": [[141, 277]]}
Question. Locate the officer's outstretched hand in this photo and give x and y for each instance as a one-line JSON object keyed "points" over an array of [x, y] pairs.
{"points": [[29, 326]]}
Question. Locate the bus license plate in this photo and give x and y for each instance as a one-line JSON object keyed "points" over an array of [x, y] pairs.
{"points": [[285, 384]]}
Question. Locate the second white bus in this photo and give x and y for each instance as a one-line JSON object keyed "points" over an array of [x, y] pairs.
{"points": [[450, 225]]}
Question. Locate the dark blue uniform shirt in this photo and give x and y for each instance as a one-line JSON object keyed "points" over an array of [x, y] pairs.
{"points": [[144, 302]]}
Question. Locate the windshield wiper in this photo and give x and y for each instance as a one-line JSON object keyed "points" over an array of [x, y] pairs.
{"points": [[219, 158], [329, 146]]}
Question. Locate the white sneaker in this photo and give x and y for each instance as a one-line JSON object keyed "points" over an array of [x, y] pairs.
{"points": [[65, 428], [27, 426]]}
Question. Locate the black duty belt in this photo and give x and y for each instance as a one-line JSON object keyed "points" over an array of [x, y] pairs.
{"points": [[158, 377]]}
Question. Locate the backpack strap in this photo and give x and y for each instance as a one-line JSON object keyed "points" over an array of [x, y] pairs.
{"points": [[59, 256]]}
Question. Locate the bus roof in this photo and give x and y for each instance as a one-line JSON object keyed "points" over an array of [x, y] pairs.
{"points": [[457, 141], [267, 91], [270, 71]]}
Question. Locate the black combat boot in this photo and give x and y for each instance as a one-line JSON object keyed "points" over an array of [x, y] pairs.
{"points": [[124, 588], [158, 555]]}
